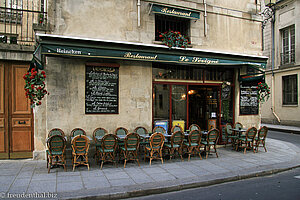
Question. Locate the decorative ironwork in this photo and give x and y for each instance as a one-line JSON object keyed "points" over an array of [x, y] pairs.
{"points": [[268, 15]]}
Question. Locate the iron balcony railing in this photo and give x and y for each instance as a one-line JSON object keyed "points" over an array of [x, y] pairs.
{"points": [[20, 18], [287, 57]]}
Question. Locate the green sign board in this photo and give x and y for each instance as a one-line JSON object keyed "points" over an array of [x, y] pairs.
{"points": [[63, 50], [175, 12]]}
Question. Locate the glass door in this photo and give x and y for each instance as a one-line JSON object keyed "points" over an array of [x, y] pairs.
{"points": [[161, 105], [179, 105]]}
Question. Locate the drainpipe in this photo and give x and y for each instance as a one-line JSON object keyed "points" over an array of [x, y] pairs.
{"points": [[139, 12], [205, 19], [273, 64]]}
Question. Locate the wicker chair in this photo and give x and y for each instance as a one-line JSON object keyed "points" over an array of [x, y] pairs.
{"points": [[130, 148], [109, 143], [97, 136], [194, 143], [211, 141], [56, 151], [176, 128], [56, 131], [154, 150], [159, 129], [229, 134], [77, 131], [143, 133], [80, 148], [121, 131], [248, 140], [175, 144], [194, 127], [261, 138]]}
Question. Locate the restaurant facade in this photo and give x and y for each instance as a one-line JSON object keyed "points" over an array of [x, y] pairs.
{"points": [[106, 66]]}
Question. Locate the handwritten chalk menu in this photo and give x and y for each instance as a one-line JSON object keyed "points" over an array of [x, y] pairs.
{"points": [[101, 90], [248, 100]]}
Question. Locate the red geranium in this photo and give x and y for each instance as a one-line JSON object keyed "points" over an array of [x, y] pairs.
{"points": [[35, 86]]}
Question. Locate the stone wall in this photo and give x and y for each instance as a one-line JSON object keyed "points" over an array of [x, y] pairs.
{"points": [[64, 108], [232, 26]]}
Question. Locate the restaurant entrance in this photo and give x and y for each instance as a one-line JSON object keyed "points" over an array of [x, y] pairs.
{"points": [[186, 104], [204, 108]]}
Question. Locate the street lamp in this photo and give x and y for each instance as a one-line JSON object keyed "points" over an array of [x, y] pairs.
{"points": [[268, 12]]}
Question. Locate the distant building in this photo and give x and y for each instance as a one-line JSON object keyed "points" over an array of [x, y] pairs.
{"points": [[283, 68]]}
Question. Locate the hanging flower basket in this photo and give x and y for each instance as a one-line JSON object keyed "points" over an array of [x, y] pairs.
{"points": [[35, 86], [263, 92], [174, 39]]}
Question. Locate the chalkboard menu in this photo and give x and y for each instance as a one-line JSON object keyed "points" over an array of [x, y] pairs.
{"points": [[248, 100], [101, 89]]}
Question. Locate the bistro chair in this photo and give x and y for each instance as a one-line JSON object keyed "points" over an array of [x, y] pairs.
{"points": [[194, 143], [97, 136], [211, 141], [261, 138], [248, 140], [176, 128], [80, 148], [56, 151], [159, 129], [238, 125], [143, 133], [154, 150], [77, 131], [121, 131], [130, 148], [175, 144], [56, 131], [194, 127], [109, 143], [230, 135]]}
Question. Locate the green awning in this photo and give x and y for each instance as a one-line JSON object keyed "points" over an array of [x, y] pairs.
{"points": [[165, 10], [92, 49]]}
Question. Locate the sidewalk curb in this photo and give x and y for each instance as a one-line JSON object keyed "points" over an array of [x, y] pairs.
{"points": [[158, 190], [284, 130]]}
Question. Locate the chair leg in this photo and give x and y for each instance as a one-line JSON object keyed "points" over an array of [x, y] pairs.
{"points": [[180, 153], [160, 153], [216, 151]]}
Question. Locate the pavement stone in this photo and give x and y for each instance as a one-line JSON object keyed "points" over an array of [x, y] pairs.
{"points": [[112, 182]]}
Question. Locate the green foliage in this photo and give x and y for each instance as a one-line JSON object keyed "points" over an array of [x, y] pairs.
{"points": [[35, 86], [174, 39], [263, 92]]}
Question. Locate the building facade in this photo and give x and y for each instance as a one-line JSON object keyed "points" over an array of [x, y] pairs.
{"points": [[107, 67], [19, 21], [282, 46]]}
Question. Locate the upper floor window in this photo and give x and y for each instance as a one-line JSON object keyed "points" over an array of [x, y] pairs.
{"points": [[288, 45], [290, 90], [165, 23]]}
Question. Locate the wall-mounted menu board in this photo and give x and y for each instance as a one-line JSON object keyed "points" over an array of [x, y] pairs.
{"points": [[102, 88], [248, 100]]}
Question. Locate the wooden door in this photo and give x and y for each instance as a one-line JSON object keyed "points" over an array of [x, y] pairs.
{"points": [[17, 136]]}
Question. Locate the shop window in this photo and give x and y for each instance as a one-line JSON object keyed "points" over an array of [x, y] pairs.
{"points": [[288, 45], [219, 74], [178, 72], [290, 90], [165, 23]]}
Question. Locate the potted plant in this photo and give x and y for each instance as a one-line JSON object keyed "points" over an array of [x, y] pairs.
{"points": [[263, 92], [174, 39], [35, 86]]}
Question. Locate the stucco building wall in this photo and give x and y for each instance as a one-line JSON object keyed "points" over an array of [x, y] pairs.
{"points": [[286, 14], [232, 27]]}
